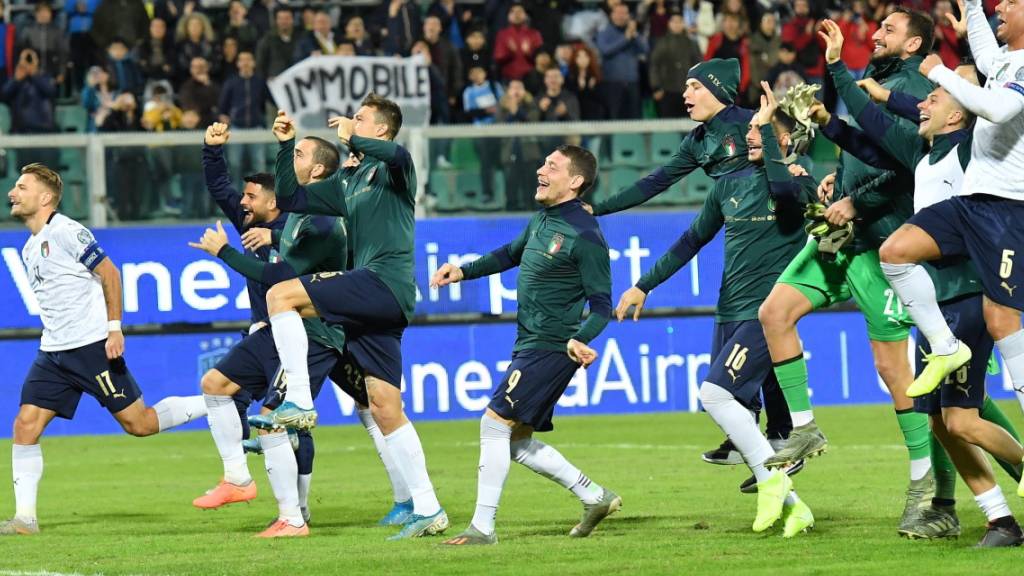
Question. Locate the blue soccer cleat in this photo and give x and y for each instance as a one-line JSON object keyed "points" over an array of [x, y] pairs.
{"points": [[398, 514], [252, 446], [417, 526], [289, 415]]}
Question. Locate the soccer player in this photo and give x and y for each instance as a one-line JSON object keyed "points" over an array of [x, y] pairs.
{"points": [[939, 151], [563, 263], [762, 211], [82, 347], [876, 202], [373, 302]]}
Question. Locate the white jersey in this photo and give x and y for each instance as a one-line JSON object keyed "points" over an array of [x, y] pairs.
{"points": [[60, 260], [934, 183], [997, 155]]}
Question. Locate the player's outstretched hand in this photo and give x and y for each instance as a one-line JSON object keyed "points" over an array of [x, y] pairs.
{"points": [[833, 38], [343, 125], [115, 345], [841, 212], [256, 237], [876, 91], [212, 241], [284, 127], [217, 134], [826, 187], [446, 275], [580, 353], [632, 298], [769, 105]]}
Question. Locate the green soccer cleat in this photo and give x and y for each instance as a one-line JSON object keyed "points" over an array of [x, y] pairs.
{"points": [[796, 519], [932, 523], [939, 366], [771, 494], [919, 497], [19, 527], [289, 415], [593, 514], [805, 441], [472, 537], [1020, 486], [417, 526]]}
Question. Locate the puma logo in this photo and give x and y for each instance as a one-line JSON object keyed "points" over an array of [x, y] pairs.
{"points": [[510, 401], [735, 202], [734, 375], [120, 395], [1008, 288], [948, 183], [965, 389]]}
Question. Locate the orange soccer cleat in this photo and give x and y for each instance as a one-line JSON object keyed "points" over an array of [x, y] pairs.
{"points": [[225, 493], [282, 529]]}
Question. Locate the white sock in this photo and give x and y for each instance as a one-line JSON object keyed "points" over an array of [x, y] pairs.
{"points": [[303, 487], [802, 417], [495, 460], [398, 488], [1011, 349], [293, 348], [177, 410], [27, 466], [737, 423], [283, 472], [915, 289], [404, 445], [791, 498], [226, 428], [993, 503], [760, 472], [920, 467], [550, 463]]}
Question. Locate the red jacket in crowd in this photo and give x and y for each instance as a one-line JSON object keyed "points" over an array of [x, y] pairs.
{"points": [[948, 45], [742, 53], [858, 46], [801, 32], [514, 49]]}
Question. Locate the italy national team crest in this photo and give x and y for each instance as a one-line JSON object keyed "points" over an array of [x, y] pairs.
{"points": [[730, 146], [44, 249], [556, 243]]}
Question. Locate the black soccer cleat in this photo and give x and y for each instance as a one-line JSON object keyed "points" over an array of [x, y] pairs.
{"points": [[1002, 533], [725, 455]]}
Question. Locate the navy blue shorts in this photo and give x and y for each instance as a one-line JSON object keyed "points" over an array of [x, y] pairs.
{"points": [[740, 362], [533, 383], [964, 388], [56, 380], [349, 376], [988, 230], [254, 365], [366, 308]]}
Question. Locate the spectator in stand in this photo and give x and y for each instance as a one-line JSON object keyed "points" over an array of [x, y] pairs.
{"points": [[320, 41], [515, 45], [673, 56], [653, 16], [225, 66], [586, 22], [555, 103], [563, 57], [82, 51], [156, 53], [731, 43], [29, 94], [122, 66], [521, 154], [47, 39], [440, 109], [534, 80], [243, 104], [355, 32], [275, 51], [345, 48], [737, 8], [480, 103], [195, 39], [857, 30], [446, 58], [546, 16], [306, 18], [402, 26], [200, 92], [764, 53], [261, 14], [454, 20], [622, 47], [787, 72], [800, 31], [585, 82], [125, 19], [171, 11], [126, 165], [97, 96], [947, 43], [477, 53], [195, 201], [159, 115], [495, 17], [239, 27]]}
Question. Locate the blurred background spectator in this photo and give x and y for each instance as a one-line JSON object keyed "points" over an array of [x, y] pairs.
{"points": [[516, 45], [622, 47], [673, 56]]}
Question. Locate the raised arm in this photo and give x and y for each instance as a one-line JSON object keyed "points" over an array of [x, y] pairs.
{"points": [[218, 183], [997, 106], [499, 260], [683, 162], [701, 231], [324, 197], [984, 47], [395, 156]]}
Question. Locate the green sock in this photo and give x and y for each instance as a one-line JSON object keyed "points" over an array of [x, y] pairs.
{"points": [[792, 375], [943, 470], [990, 411], [916, 432]]}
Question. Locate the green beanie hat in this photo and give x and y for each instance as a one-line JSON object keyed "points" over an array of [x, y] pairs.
{"points": [[721, 77]]}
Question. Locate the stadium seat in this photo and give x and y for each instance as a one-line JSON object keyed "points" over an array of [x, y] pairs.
{"points": [[663, 146], [469, 181], [697, 186], [442, 186], [5, 120], [629, 150], [71, 118], [463, 155], [623, 178]]}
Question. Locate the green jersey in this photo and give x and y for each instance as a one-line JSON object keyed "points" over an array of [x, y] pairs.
{"points": [[308, 244], [762, 209], [377, 199], [563, 262]]}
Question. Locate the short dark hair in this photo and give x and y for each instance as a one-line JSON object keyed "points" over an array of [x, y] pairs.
{"points": [[280, 9], [264, 180], [326, 154], [784, 121], [581, 163], [48, 178], [386, 112], [788, 47], [919, 24]]}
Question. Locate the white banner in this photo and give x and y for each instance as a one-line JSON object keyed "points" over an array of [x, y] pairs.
{"points": [[323, 86]]}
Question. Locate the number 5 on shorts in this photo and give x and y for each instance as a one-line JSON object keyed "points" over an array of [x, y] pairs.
{"points": [[1006, 264]]}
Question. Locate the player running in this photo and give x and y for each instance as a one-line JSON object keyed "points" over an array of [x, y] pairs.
{"points": [[938, 150], [82, 347], [762, 211], [563, 262], [373, 302]]}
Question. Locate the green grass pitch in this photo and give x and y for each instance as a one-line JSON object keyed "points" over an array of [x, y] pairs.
{"points": [[120, 505]]}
